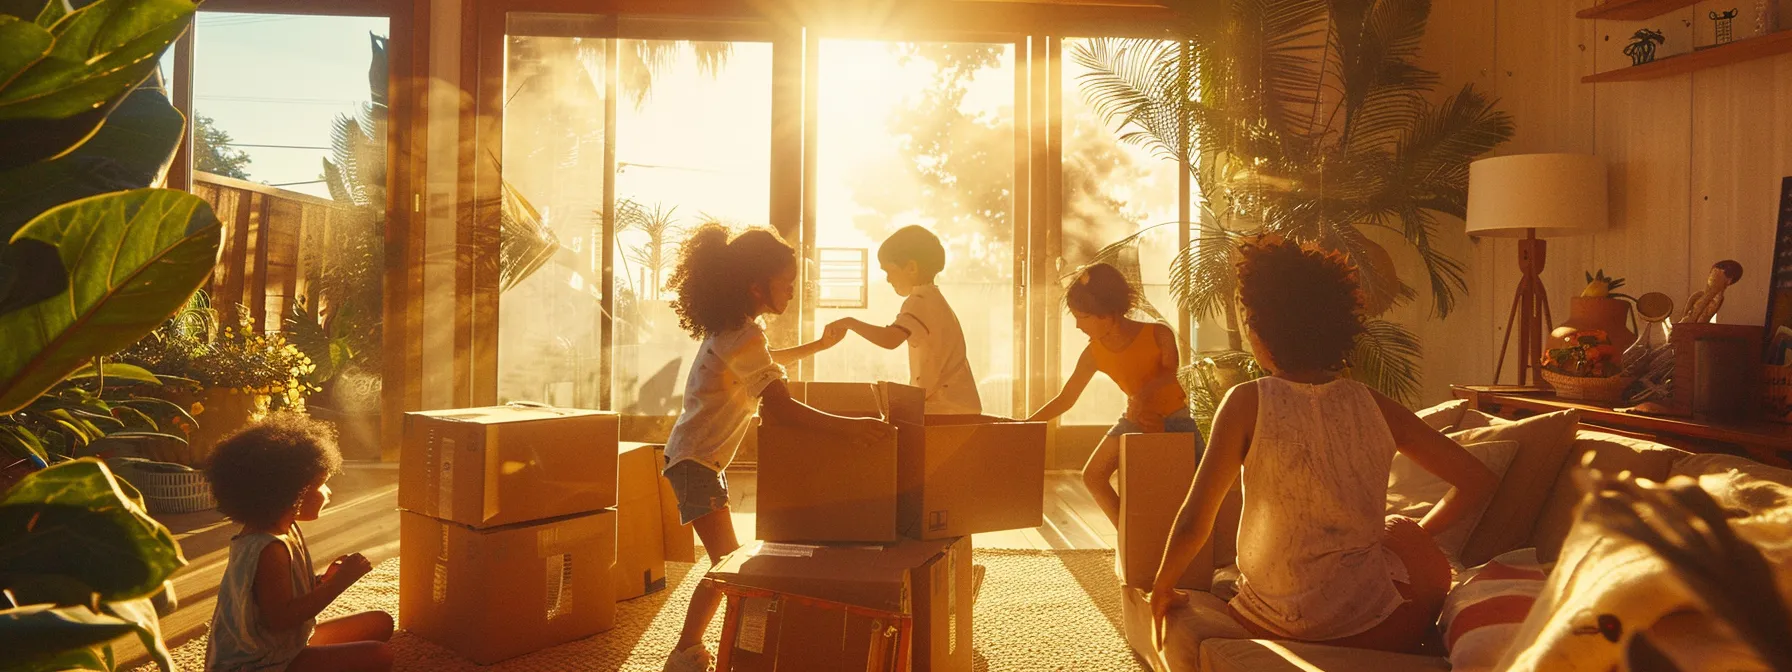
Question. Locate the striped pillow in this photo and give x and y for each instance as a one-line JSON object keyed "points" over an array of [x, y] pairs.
{"points": [[1484, 611]]}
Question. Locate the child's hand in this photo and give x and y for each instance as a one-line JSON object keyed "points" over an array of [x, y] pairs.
{"points": [[832, 334], [866, 430], [347, 569]]}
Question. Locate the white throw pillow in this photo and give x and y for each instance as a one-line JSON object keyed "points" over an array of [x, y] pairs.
{"points": [[1413, 492]]}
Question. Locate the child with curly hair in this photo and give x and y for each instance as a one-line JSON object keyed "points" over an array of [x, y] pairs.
{"points": [[1140, 357], [268, 477], [1318, 558], [724, 284]]}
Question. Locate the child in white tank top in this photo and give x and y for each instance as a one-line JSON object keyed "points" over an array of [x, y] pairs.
{"points": [[1318, 559]]}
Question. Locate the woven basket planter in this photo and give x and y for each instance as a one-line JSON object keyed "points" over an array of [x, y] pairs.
{"points": [[167, 487], [1597, 390]]}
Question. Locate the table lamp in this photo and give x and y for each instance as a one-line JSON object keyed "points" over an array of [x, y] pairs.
{"points": [[1533, 197]]}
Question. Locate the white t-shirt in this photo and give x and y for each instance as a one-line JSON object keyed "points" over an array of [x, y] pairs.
{"points": [[720, 396], [936, 361]]}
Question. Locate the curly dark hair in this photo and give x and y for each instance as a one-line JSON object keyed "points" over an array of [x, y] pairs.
{"points": [[1101, 290], [715, 276], [1304, 305], [916, 244], [259, 473]]}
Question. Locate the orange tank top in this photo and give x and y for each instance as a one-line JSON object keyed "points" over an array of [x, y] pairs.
{"points": [[1133, 368]]}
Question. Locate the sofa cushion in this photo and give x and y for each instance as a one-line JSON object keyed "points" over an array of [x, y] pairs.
{"points": [[1414, 492], [1443, 416], [1262, 655], [1543, 444], [1611, 454], [1204, 617], [1474, 418], [1483, 612]]}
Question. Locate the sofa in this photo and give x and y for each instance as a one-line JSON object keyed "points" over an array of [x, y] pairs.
{"points": [[1534, 507]]}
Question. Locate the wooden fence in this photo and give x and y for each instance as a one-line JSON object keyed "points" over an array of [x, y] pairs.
{"points": [[271, 237]]}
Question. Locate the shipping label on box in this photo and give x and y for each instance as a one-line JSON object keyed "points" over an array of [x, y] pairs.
{"points": [[1156, 471], [966, 474], [640, 541], [500, 465], [496, 593]]}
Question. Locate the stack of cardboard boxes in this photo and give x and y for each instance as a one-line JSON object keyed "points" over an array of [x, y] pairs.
{"points": [[884, 526], [508, 532]]}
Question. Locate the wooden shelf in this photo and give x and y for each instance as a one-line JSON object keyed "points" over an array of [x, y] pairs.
{"points": [[1632, 10], [1734, 52]]}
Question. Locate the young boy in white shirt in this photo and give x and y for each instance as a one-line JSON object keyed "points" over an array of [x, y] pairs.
{"points": [[910, 258]]}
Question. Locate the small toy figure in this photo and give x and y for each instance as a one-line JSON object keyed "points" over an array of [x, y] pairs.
{"points": [[1703, 305], [1642, 45]]}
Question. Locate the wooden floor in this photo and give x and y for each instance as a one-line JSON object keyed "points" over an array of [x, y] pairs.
{"points": [[363, 518]]}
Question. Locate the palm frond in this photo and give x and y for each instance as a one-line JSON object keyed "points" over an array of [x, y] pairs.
{"points": [[525, 242], [1202, 277], [1386, 358], [345, 137], [1210, 377], [1124, 256], [712, 56], [1141, 85], [1434, 155]]}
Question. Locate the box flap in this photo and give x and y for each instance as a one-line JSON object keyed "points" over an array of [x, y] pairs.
{"points": [[891, 401], [493, 415]]}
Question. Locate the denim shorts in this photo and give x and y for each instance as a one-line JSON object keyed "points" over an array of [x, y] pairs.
{"points": [[700, 490], [1179, 422]]}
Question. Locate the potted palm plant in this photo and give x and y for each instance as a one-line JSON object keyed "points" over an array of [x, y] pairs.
{"points": [[1311, 120]]}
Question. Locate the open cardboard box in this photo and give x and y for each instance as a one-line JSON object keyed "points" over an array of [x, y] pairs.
{"points": [[499, 465], [964, 474], [943, 476], [815, 487], [496, 593], [928, 580]]}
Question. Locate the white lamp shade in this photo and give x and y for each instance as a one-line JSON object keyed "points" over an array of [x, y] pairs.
{"points": [[1555, 194]]}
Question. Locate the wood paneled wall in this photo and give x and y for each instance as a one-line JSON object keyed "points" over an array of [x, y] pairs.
{"points": [[1696, 161]]}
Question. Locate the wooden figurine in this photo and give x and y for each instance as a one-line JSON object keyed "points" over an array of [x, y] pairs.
{"points": [[1703, 305]]}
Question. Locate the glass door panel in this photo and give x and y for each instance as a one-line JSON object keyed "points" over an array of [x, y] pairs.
{"points": [[920, 133], [613, 151]]}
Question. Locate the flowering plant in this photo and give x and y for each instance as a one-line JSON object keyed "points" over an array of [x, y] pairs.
{"points": [[192, 345], [1589, 354]]}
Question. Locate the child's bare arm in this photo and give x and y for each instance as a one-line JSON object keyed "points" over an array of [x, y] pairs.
{"points": [[1473, 484], [829, 338], [280, 608], [1073, 388], [776, 406], [887, 337]]}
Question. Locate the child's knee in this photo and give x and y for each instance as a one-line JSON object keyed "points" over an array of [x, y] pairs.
{"points": [[383, 625]]}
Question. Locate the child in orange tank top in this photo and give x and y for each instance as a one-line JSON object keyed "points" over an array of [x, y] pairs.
{"points": [[1140, 357]]}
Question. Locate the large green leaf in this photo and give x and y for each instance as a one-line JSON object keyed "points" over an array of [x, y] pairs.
{"points": [[22, 43], [76, 520], [131, 151], [117, 371], [43, 12], [47, 637], [101, 52], [133, 257]]}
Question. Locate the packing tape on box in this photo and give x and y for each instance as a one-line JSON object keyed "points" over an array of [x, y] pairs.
{"points": [[445, 479], [752, 624]]}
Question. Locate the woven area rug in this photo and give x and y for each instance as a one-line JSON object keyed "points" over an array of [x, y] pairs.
{"points": [[1038, 610]]}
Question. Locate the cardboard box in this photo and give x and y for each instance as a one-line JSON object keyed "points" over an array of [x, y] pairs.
{"points": [[928, 580], [496, 593], [500, 465], [640, 544], [964, 474], [1155, 473], [814, 487], [680, 541]]}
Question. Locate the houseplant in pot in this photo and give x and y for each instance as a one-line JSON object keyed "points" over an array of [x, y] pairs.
{"points": [[233, 373]]}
